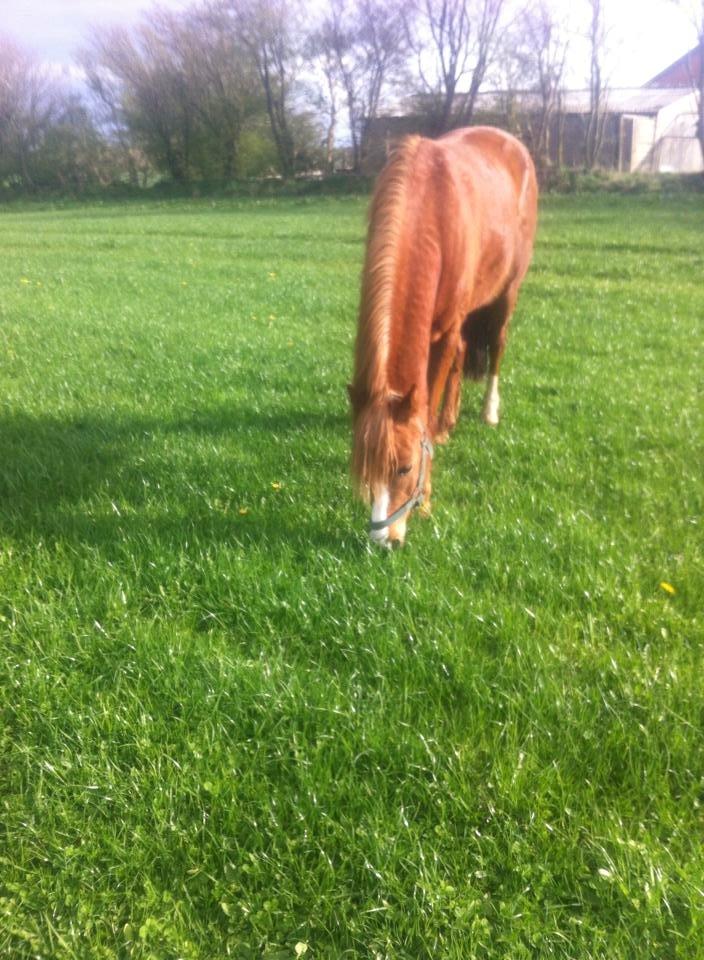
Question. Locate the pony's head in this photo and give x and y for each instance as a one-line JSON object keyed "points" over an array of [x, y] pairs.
{"points": [[391, 460]]}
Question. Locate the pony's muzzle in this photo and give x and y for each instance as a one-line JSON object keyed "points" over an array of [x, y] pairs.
{"points": [[387, 543], [391, 536], [379, 536]]}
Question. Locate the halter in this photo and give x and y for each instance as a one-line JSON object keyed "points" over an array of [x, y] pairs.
{"points": [[416, 498]]}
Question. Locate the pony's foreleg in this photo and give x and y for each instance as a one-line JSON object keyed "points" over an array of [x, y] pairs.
{"points": [[453, 396], [442, 355]]}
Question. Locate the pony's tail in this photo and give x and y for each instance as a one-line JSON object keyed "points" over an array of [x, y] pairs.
{"points": [[475, 332]]}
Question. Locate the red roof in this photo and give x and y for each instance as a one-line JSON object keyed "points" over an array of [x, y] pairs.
{"points": [[684, 72]]}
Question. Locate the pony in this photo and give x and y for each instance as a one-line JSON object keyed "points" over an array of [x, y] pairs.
{"points": [[450, 238]]}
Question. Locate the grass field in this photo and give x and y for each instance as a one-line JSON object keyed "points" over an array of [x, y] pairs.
{"points": [[232, 729]]}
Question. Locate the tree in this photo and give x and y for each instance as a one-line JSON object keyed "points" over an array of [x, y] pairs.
{"points": [[367, 43], [106, 91], [512, 75], [179, 88], [48, 137], [189, 88], [453, 40], [139, 75], [269, 31], [29, 102], [694, 10], [541, 49], [327, 94], [73, 154], [596, 123], [222, 84]]}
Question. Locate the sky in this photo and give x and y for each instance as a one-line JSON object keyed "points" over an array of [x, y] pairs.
{"points": [[56, 29], [645, 37]]}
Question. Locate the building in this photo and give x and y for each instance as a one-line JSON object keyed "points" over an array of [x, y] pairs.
{"points": [[683, 73], [651, 129], [646, 129]]}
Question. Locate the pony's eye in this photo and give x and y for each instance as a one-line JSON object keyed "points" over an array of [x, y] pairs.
{"points": [[402, 471]]}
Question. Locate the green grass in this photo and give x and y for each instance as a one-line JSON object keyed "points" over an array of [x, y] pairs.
{"points": [[228, 726]]}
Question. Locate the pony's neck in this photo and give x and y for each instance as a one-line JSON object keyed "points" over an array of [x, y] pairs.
{"points": [[411, 324], [401, 276]]}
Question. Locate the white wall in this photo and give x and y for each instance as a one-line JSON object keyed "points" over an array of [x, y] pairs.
{"points": [[668, 143]]}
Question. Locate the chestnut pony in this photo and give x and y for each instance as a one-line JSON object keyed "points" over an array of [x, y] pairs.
{"points": [[450, 238]]}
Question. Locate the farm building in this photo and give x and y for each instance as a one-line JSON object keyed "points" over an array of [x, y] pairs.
{"points": [[652, 128], [682, 73]]}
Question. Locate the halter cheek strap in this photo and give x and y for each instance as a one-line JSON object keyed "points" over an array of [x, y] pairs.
{"points": [[416, 498]]}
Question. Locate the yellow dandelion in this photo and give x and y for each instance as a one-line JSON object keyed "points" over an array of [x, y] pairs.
{"points": [[272, 275], [667, 587], [275, 485], [244, 511], [24, 280]]}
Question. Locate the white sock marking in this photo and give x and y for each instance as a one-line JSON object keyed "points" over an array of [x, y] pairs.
{"points": [[491, 401]]}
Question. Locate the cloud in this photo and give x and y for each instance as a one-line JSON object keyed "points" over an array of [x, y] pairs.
{"points": [[55, 29]]}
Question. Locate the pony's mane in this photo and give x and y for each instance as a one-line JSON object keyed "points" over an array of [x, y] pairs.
{"points": [[374, 453], [386, 219]]}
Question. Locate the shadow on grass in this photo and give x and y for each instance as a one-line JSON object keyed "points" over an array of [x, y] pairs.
{"points": [[97, 480]]}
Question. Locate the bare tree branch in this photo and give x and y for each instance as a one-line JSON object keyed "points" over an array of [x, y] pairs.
{"points": [[694, 10], [596, 125], [268, 29], [541, 48], [454, 40], [367, 41]]}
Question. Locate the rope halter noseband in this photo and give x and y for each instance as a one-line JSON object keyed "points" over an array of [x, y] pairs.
{"points": [[416, 498]]}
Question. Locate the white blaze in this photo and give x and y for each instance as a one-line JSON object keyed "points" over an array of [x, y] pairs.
{"points": [[380, 511]]}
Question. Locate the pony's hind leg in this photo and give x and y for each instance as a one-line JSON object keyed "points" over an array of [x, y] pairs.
{"points": [[500, 315], [492, 400]]}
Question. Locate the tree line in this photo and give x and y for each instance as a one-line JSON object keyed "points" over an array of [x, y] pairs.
{"points": [[226, 89]]}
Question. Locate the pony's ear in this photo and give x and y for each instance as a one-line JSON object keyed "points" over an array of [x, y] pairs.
{"points": [[404, 407]]}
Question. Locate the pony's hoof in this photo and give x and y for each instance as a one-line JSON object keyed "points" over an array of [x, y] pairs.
{"points": [[491, 418]]}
